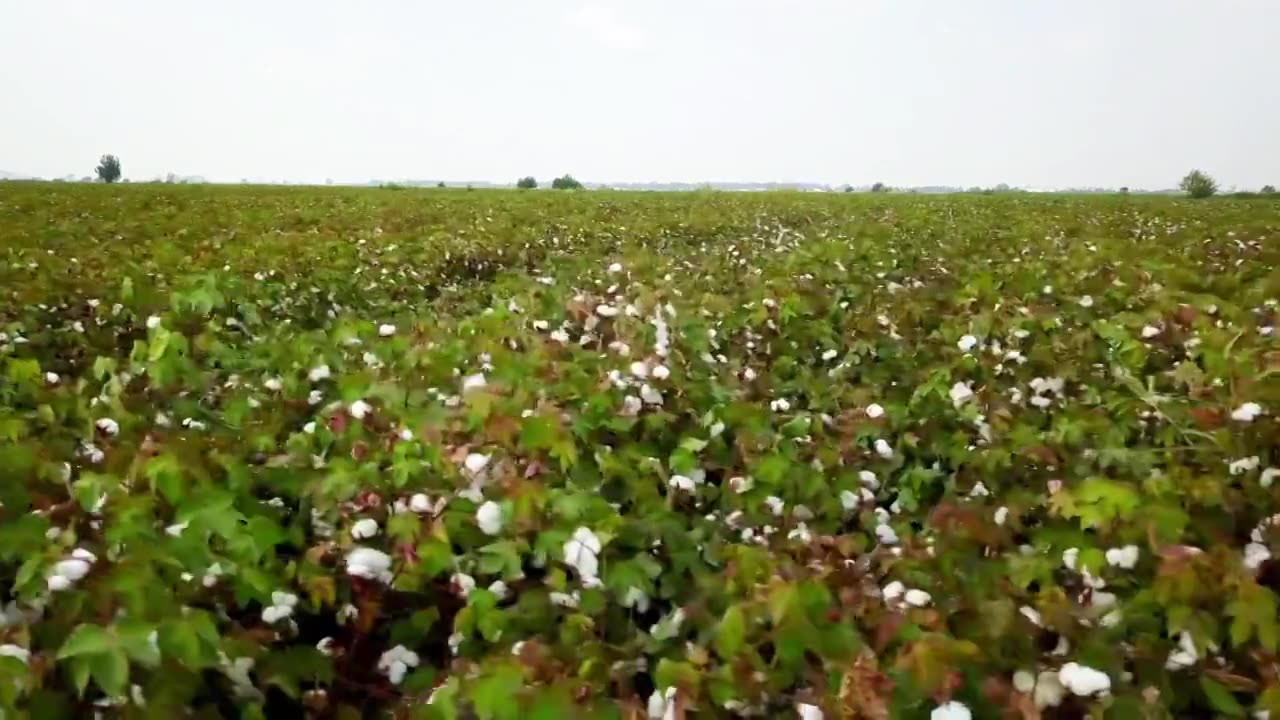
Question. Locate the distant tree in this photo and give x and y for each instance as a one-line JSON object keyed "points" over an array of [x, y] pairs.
{"points": [[171, 178], [848, 188], [1124, 190], [566, 182], [1002, 187], [108, 169], [1268, 190], [1198, 185], [440, 184], [527, 183], [879, 188]]}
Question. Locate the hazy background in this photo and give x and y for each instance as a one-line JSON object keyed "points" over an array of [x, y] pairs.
{"points": [[1046, 93]]}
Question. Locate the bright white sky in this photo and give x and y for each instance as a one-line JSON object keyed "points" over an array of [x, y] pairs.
{"points": [[1050, 93]]}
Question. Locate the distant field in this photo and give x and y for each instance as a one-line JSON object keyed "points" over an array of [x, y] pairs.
{"points": [[624, 455]]}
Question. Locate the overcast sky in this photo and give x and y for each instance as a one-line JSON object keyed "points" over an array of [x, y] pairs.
{"points": [[1050, 93]]}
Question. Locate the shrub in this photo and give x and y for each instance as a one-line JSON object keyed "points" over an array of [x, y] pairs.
{"points": [[527, 183], [108, 169], [1197, 184], [566, 182]]}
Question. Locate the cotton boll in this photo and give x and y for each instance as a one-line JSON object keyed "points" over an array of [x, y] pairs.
{"points": [[1024, 681], [489, 518], [886, 535], [1049, 691], [1247, 412], [386, 330], [967, 343], [364, 528], [475, 463], [581, 551], [951, 711], [804, 711], [960, 394], [893, 591], [917, 598], [1001, 515], [875, 411], [1125, 557], [883, 449], [359, 409], [1083, 680]]}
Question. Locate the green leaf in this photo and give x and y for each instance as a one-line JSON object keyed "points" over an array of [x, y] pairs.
{"points": [[731, 632], [1220, 698], [86, 640], [110, 670]]}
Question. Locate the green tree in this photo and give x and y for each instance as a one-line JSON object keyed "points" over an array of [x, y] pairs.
{"points": [[527, 183], [879, 188], [1198, 185], [1268, 190], [566, 182], [108, 169]]}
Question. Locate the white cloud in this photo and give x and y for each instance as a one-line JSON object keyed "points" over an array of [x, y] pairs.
{"points": [[604, 26]]}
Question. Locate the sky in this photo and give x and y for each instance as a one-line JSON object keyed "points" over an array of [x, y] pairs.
{"points": [[1043, 93]]}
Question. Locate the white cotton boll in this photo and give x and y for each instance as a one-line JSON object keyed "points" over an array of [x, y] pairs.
{"points": [[1150, 331], [960, 394], [967, 343], [1083, 680], [1246, 412], [951, 711], [1069, 557], [314, 397], [273, 384], [73, 569], [1049, 691], [660, 372], [631, 406], [1268, 477], [359, 409], [775, 504], [780, 405], [829, 355], [1086, 301], [615, 268], [1041, 401], [1001, 515], [893, 591], [869, 479], [805, 711], [680, 482], [420, 503], [649, 395], [560, 336], [564, 599], [275, 613], [51, 378], [1185, 656], [883, 449], [309, 428], [108, 426], [318, 373], [364, 528], [475, 463], [489, 518], [1024, 681], [473, 382], [176, 529], [979, 490], [740, 485], [848, 500], [465, 583], [1243, 465], [16, 651], [1255, 554], [1124, 557], [606, 310], [386, 330], [886, 535], [58, 583], [875, 411], [748, 374], [581, 551], [917, 598], [640, 369]]}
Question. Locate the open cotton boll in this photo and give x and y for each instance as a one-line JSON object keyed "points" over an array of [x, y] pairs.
{"points": [[359, 409], [473, 382], [967, 343], [1083, 680], [386, 330], [1124, 557], [364, 528], [581, 552], [489, 518], [805, 711], [318, 373], [960, 394], [951, 711], [917, 598], [883, 448], [874, 411], [475, 463], [1247, 412], [370, 564]]}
